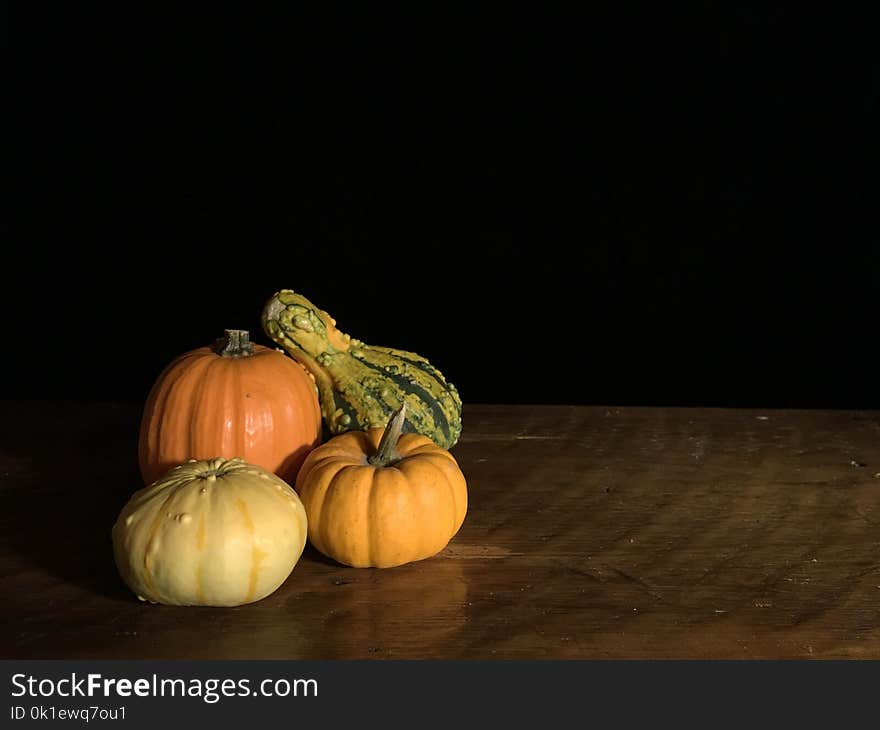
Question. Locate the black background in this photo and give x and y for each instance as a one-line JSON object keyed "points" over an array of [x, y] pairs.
{"points": [[554, 202]]}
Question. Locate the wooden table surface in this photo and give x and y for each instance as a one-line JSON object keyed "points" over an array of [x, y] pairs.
{"points": [[592, 532]]}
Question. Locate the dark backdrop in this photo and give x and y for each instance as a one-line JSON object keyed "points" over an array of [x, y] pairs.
{"points": [[554, 202]]}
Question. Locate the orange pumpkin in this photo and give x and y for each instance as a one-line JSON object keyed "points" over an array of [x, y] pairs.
{"points": [[378, 499], [235, 399]]}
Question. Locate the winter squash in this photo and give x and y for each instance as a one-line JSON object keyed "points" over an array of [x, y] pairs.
{"points": [[233, 399], [210, 533], [360, 385], [378, 499]]}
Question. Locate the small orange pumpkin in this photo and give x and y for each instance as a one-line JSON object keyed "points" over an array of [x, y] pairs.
{"points": [[378, 499], [235, 399]]}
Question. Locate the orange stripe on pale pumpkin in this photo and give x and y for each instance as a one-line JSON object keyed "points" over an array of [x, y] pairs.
{"points": [[200, 533], [246, 516], [257, 555], [256, 562]]}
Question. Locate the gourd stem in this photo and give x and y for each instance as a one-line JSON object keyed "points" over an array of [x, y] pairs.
{"points": [[387, 451], [234, 343]]}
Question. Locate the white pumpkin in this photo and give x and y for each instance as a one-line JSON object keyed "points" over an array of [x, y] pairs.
{"points": [[215, 532]]}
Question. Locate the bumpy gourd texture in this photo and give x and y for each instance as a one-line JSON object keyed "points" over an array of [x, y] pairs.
{"points": [[210, 533], [360, 385], [366, 516]]}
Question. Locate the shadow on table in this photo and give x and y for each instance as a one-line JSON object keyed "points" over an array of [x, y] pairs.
{"points": [[60, 496]]}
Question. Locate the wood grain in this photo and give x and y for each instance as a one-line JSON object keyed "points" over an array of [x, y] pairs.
{"points": [[591, 533]]}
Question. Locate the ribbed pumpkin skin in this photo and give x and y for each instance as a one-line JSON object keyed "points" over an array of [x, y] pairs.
{"points": [[366, 516], [262, 408], [210, 533], [360, 385]]}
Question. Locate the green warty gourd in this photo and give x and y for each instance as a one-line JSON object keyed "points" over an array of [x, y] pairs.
{"points": [[359, 385]]}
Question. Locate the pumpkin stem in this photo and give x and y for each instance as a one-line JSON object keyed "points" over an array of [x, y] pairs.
{"points": [[387, 451], [234, 343]]}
